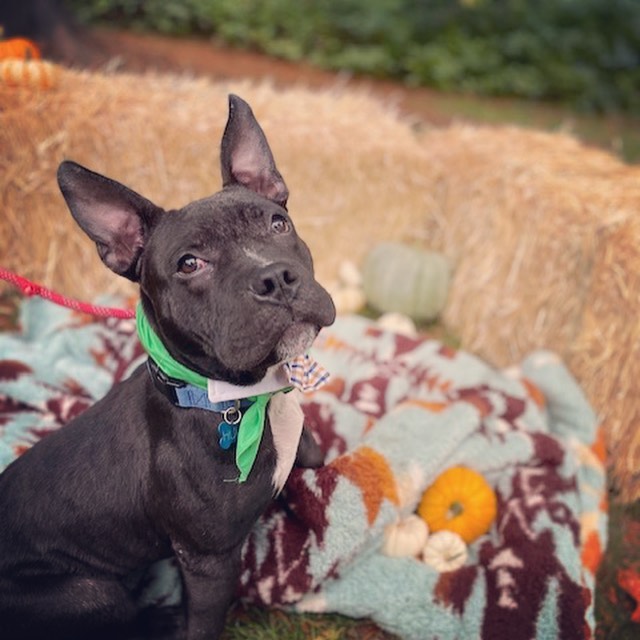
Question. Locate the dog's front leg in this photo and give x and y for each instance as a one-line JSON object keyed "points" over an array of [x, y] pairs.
{"points": [[209, 584], [309, 454]]}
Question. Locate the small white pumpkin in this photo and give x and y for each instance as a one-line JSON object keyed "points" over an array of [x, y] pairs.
{"points": [[445, 551], [348, 299], [407, 280], [405, 538], [349, 274], [398, 323]]}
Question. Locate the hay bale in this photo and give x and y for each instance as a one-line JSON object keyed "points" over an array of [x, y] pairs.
{"points": [[541, 229], [606, 353], [545, 236], [160, 135]]}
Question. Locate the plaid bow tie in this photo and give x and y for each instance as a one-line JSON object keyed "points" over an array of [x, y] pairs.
{"points": [[306, 374]]}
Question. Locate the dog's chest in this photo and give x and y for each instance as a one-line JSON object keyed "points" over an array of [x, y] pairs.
{"points": [[210, 470]]}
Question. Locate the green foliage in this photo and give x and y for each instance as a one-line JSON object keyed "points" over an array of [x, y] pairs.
{"points": [[586, 52]]}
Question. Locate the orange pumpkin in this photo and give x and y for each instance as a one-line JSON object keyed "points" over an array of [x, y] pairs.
{"points": [[19, 48], [38, 74], [460, 500]]}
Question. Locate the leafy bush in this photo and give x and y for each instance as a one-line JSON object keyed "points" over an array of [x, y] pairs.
{"points": [[586, 52]]}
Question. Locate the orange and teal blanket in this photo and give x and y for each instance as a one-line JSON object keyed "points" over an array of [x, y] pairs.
{"points": [[395, 414]]}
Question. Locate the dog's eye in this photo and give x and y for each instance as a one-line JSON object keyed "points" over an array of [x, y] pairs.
{"points": [[189, 264], [279, 224]]}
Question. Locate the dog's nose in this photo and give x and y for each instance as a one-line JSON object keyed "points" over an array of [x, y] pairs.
{"points": [[277, 282]]}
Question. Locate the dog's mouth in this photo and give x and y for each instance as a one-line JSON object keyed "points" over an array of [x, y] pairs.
{"points": [[296, 340], [270, 335], [247, 366]]}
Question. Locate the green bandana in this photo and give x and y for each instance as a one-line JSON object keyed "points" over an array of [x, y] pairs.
{"points": [[154, 347], [252, 423], [250, 434]]}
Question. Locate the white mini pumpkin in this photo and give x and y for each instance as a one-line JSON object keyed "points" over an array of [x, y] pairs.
{"points": [[347, 299], [445, 551], [405, 538], [349, 274], [398, 323]]}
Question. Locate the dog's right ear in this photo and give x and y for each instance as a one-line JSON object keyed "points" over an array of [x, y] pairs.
{"points": [[116, 218]]}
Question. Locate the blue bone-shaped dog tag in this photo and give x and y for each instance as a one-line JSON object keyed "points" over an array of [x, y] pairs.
{"points": [[228, 434]]}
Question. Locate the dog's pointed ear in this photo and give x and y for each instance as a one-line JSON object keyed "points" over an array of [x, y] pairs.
{"points": [[245, 156], [116, 218]]}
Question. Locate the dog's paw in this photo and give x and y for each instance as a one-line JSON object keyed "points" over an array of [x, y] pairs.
{"points": [[160, 623], [309, 455]]}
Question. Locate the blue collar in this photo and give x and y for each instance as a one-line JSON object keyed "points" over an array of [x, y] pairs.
{"points": [[188, 396]]}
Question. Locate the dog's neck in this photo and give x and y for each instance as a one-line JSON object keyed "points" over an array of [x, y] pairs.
{"points": [[242, 408], [188, 389], [301, 372]]}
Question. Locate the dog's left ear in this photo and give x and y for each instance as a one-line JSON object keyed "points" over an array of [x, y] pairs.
{"points": [[245, 155], [116, 218]]}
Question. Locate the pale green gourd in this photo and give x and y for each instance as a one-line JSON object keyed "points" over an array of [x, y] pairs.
{"points": [[407, 280]]}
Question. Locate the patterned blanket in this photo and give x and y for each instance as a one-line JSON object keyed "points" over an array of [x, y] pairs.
{"points": [[395, 414]]}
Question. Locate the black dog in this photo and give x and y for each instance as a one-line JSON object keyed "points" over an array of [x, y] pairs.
{"points": [[153, 470]]}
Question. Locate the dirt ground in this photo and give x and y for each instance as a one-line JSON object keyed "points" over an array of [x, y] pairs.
{"points": [[100, 47]]}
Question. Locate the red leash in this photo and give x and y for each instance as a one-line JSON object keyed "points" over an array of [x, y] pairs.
{"points": [[29, 288]]}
